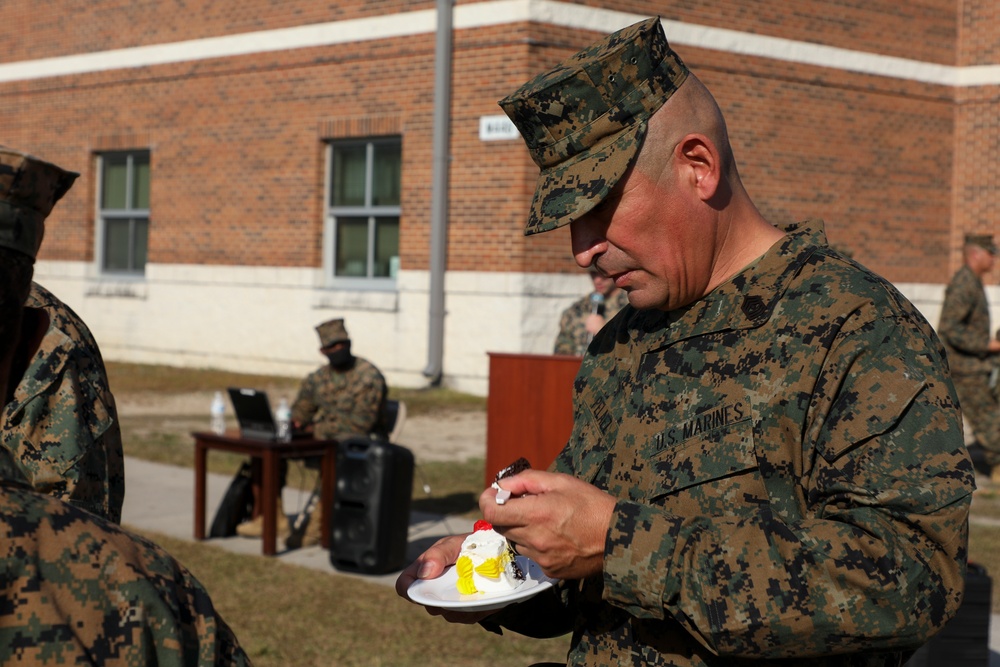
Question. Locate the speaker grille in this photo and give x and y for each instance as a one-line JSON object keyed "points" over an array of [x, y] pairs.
{"points": [[371, 512]]}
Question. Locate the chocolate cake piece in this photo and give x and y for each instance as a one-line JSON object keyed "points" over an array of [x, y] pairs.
{"points": [[517, 466]]}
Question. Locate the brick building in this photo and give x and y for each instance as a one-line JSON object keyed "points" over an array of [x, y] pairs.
{"points": [[252, 169]]}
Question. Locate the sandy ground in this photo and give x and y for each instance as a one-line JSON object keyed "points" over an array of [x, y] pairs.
{"points": [[447, 435]]}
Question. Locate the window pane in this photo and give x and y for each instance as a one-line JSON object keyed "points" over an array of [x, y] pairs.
{"points": [[116, 243], [352, 247], [114, 179], [348, 186], [140, 181], [388, 165], [141, 243], [386, 247]]}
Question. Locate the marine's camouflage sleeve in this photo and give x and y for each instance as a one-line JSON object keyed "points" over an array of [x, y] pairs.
{"points": [[965, 324], [790, 472], [573, 337], [341, 403], [62, 426], [79, 590]]}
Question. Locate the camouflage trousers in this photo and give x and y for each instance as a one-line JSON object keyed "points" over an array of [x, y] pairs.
{"points": [[981, 409]]}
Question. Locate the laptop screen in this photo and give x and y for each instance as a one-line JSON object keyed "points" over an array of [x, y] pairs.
{"points": [[253, 412]]}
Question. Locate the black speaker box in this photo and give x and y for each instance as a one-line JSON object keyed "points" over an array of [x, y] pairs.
{"points": [[371, 509], [965, 640]]}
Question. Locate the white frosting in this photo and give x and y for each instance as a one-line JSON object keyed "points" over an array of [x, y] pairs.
{"points": [[488, 551]]}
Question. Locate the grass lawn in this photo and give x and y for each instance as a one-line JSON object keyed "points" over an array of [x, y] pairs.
{"points": [[287, 616]]}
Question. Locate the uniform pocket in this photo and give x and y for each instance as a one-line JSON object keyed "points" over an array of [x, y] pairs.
{"points": [[723, 452]]}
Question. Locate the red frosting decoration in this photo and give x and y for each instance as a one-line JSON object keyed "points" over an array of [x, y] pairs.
{"points": [[482, 525]]}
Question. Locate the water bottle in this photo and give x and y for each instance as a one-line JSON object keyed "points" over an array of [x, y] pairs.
{"points": [[284, 418], [218, 414]]}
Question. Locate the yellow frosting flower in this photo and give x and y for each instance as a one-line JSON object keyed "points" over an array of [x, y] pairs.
{"points": [[490, 568], [463, 568]]}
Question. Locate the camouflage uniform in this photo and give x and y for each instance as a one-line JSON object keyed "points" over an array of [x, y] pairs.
{"points": [[790, 475], [965, 331], [573, 336], [62, 425], [78, 590], [340, 402]]}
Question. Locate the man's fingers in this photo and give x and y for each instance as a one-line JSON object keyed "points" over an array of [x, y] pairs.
{"points": [[430, 564], [528, 482]]}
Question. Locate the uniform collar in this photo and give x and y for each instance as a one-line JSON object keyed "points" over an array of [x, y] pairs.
{"points": [[745, 301]]}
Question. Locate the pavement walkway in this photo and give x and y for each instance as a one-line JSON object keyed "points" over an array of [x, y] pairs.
{"points": [[160, 498]]}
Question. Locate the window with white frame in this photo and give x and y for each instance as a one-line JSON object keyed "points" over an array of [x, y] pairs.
{"points": [[124, 211], [363, 213]]}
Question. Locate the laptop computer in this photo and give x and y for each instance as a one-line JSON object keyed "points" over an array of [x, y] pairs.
{"points": [[253, 412]]}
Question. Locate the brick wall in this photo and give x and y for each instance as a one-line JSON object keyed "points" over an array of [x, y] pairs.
{"points": [[47, 28], [897, 169]]}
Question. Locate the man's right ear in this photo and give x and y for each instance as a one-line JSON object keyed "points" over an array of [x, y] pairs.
{"points": [[701, 164]]}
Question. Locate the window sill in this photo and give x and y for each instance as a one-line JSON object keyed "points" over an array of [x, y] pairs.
{"points": [[119, 287], [353, 299]]}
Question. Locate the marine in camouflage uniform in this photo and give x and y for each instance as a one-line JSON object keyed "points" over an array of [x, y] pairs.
{"points": [[965, 331], [78, 589], [767, 463], [746, 498], [62, 425], [573, 337], [342, 398]]}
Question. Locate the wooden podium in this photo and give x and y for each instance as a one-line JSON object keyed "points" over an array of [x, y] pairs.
{"points": [[529, 410]]}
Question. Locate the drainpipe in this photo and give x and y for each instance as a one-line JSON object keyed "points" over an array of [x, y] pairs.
{"points": [[439, 191]]}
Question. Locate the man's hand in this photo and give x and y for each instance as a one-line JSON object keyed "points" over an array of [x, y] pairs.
{"points": [[430, 565], [556, 520]]}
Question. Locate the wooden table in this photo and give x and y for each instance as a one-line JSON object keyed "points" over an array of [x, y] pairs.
{"points": [[270, 454]]}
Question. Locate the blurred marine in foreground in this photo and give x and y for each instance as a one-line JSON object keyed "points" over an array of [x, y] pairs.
{"points": [[76, 588]]}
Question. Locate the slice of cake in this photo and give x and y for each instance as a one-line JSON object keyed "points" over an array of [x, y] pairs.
{"points": [[517, 466], [487, 564]]}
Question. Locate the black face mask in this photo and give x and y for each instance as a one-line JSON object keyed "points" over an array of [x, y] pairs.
{"points": [[341, 358]]}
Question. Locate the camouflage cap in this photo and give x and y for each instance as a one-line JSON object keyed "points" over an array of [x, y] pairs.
{"points": [[332, 332], [984, 241], [584, 120], [29, 188]]}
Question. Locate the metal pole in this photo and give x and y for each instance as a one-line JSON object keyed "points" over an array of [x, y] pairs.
{"points": [[439, 191]]}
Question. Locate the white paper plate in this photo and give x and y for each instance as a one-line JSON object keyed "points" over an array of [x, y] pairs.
{"points": [[441, 592]]}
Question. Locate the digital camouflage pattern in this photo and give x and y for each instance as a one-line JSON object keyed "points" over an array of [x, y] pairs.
{"points": [[584, 120], [573, 336], [78, 590], [790, 471], [62, 425], [341, 403], [29, 188], [965, 331]]}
